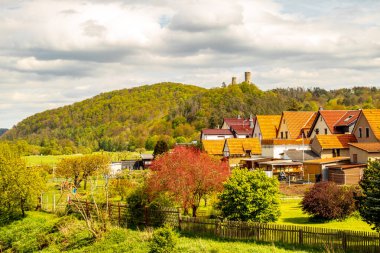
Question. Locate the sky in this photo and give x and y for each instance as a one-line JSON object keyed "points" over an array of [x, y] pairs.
{"points": [[54, 53]]}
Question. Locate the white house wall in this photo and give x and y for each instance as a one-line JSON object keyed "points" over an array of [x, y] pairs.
{"points": [[216, 137], [276, 151]]}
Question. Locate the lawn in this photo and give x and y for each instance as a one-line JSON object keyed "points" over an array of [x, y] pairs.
{"points": [[45, 232], [291, 214]]}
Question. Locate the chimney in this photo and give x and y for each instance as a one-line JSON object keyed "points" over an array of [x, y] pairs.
{"points": [[239, 116], [320, 108], [251, 121], [247, 77], [234, 80]]}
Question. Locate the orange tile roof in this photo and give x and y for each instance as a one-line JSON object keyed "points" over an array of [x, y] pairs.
{"points": [[328, 160], [310, 122], [240, 146], [213, 147], [296, 121], [268, 125], [370, 147], [335, 140], [373, 118], [331, 117]]}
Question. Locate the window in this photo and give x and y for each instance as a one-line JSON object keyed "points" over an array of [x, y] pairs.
{"points": [[355, 158], [316, 131], [320, 119], [283, 121], [348, 118], [325, 130], [360, 132], [286, 134], [367, 132], [282, 135], [338, 152]]}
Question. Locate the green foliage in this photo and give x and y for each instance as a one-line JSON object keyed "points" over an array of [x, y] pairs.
{"points": [[136, 118], [164, 240], [370, 201], [250, 196], [326, 200], [160, 148], [20, 186]]}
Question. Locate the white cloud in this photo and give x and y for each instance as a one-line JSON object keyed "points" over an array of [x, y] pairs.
{"points": [[57, 52]]}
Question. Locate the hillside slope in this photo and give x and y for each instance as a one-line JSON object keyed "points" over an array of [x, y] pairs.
{"points": [[136, 118]]}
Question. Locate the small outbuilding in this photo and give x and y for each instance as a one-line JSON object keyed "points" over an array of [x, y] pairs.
{"points": [[316, 170], [346, 173]]}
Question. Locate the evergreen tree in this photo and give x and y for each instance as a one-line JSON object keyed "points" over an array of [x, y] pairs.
{"points": [[160, 148], [370, 201]]}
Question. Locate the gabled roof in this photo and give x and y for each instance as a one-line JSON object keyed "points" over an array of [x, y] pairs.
{"points": [[349, 118], [373, 118], [370, 147], [268, 125], [242, 130], [240, 146], [213, 147], [331, 117], [296, 121], [217, 131], [334, 141]]}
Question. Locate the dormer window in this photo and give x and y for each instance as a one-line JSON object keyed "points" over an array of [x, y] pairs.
{"points": [[360, 132], [348, 118]]}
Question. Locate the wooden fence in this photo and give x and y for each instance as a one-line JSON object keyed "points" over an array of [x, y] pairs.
{"points": [[348, 241]]}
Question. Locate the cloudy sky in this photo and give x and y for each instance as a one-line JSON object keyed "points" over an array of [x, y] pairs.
{"points": [[54, 53]]}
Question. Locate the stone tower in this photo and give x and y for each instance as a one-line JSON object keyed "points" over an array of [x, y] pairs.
{"points": [[234, 80], [247, 77]]}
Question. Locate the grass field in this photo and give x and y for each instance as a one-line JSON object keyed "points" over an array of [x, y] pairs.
{"points": [[52, 160], [45, 232], [291, 214]]}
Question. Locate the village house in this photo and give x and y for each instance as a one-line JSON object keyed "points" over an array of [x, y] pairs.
{"points": [[236, 149], [275, 148], [329, 122], [231, 128], [266, 126], [333, 145], [363, 152], [295, 125], [367, 128], [216, 134]]}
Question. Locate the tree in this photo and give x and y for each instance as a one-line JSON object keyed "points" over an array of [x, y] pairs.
{"points": [[20, 185], [79, 168], [160, 148], [369, 207], [250, 196], [187, 175], [326, 200]]}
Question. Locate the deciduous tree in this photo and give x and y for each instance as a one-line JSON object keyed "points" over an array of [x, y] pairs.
{"points": [[250, 196], [188, 175], [370, 201]]}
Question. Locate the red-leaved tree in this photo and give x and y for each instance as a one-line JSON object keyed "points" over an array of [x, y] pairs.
{"points": [[188, 175]]}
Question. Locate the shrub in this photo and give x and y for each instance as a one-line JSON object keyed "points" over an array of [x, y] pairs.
{"points": [[164, 240], [250, 196], [326, 200]]}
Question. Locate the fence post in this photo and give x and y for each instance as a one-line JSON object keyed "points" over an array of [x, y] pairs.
{"points": [[344, 241], [301, 236], [119, 215], [179, 219]]}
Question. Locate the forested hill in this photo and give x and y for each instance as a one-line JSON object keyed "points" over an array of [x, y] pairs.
{"points": [[2, 131], [136, 118]]}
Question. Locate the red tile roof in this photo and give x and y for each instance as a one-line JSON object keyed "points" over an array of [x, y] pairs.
{"points": [[370, 147], [349, 118], [331, 117], [242, 129], [236, 121], [217, 131]]}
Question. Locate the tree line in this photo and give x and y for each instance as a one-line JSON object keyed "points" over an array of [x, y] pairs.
{"points": [[137, 118]]}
